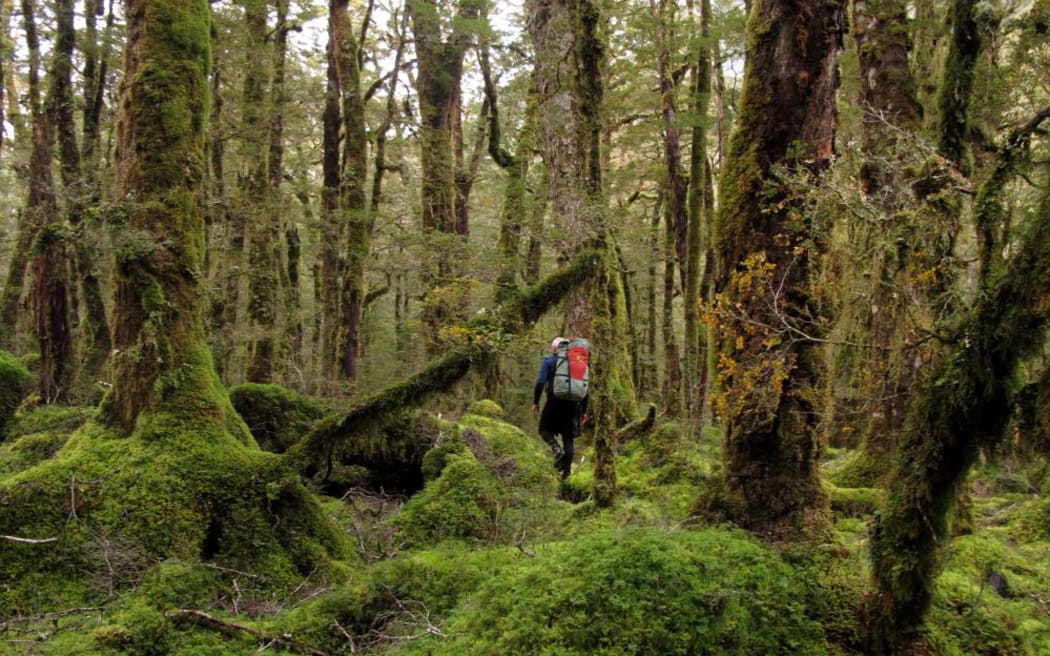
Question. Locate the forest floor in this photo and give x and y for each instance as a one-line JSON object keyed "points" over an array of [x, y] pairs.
{"points": [[495, 556]]}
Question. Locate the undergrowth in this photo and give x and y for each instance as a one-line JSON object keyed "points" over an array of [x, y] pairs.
{"points": [[493, 556]]}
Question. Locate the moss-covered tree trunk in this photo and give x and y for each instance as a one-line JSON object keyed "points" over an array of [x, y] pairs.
{"points": [[93, 339], [672, 382], [677, 214], [332, 233], [886, 370], [256, 195], [963, 407], [440, 53], [31, 219], [162, 360], [569, 58], [699, 213], [769, 362], [953, 100], [289, 329], [352, 197], [516, 167], [49, 266]]}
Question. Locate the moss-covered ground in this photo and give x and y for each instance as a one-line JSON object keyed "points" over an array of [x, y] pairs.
{"points": [[493, 556]]}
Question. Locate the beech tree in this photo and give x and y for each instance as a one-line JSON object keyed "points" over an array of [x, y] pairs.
{"points": [[768, 321]]}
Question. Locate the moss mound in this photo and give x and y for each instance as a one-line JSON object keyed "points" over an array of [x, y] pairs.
{"points": [[14, 384], [276, 416], [184, 490], [488, 482], [637, 592]]}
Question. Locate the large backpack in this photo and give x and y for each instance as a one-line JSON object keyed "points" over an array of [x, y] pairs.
{"points": [[571, 381]]}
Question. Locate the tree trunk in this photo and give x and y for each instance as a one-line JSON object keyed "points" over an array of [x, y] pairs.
{"points": [[353, 200], [52, 265], [440, 69], [957, 86], [887, 94], [698, 212], [569, 59], [332, 233], [672, 383], [964, 406], [94, 337], [257, 200], [162, 360], [768, 361]]}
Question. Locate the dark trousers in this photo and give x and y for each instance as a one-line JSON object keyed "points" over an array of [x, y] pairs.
{"points": [[563, 453], [560, 418]]}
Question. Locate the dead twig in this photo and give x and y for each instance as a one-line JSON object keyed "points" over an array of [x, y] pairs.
{"points": [[13, 538], [232, 628]]}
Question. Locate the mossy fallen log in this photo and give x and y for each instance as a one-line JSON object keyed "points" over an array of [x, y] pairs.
{"points": [[638, 428], [338, 430]]}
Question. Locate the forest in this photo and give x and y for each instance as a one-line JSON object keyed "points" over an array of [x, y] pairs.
{"points": [[277, 279]]}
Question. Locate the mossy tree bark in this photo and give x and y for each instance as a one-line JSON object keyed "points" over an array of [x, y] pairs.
{"points": [[887, 94], [162, 359], [289, 335], [49, 266], [699, 213], [676, 214], [440, 71], [569, 59], [516, 167], [332, 233], [769, 361], [963, 407], [352, 197], [30, 220], [258, 197], [672, 382], [953, 100], [94, 337]]}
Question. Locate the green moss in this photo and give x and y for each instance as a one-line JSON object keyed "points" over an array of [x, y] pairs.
{"points": [[276, 416], [461, 503], [636, 592], [14, 384], [50, 419], [28, 450], [854, 501], [188, 490], [486, 408]]}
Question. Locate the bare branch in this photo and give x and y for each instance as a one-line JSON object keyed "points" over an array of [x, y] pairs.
{"points": [[12, 538], [232, 628]]}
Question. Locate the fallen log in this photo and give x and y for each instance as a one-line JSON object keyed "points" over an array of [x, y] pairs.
{"points": [[337, 430]]}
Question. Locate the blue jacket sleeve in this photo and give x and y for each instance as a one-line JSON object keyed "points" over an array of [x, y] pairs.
{"points": [[541, 379]]}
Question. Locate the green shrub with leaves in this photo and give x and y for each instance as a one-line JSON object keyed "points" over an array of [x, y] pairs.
{"points": [[639, 591]]}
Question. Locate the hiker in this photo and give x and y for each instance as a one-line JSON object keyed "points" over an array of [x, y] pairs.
{"points": [[566, 409]]}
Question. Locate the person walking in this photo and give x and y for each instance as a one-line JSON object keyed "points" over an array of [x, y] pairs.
{"points": [[562, 417]]}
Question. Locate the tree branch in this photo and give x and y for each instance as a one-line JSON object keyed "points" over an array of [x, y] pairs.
{"points": [[232, 628], [12, 538]]}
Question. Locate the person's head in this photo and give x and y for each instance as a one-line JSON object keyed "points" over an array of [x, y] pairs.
{"points": [[557, 341]]}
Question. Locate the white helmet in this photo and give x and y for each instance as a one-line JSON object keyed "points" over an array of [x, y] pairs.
{"points": [[556, 342]]}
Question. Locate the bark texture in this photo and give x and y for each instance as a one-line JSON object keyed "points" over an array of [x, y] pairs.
{"points": [[768, 361]]}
